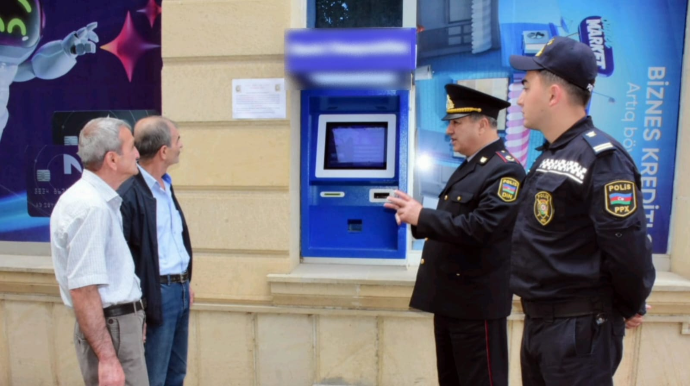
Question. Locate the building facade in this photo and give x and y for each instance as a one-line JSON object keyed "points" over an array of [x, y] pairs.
{"points": [[262, 316]]}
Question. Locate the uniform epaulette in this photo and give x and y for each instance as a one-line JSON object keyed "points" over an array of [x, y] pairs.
{"points": [[599, 143], [506, 157]]}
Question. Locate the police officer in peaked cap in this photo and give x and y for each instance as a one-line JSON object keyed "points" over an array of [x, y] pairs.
{"points": [[463, 277], [581, 258]]}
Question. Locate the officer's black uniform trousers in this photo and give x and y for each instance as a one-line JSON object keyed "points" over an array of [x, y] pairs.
{"points": [[574, 351], [464, 274], [471, 352]]}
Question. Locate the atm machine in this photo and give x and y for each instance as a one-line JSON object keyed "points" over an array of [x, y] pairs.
{"points": [[354, 105], [353, 155]]}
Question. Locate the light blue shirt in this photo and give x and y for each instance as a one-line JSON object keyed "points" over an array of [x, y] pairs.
{"points": [[172, 255]]}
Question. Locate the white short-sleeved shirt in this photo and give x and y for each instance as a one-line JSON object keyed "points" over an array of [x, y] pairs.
{"points": [[87, 243]]}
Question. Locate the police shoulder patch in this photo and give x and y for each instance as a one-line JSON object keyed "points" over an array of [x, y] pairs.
{"points": [[599, 143], [505, 156], [619, 198], [508, 189]]}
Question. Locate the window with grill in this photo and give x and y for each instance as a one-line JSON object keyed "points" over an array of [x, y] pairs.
{"points": [[355, 13]]}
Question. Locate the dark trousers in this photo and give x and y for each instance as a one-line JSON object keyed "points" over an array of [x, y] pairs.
{"points": [[166, 345], [471, 352], [575, 351]]}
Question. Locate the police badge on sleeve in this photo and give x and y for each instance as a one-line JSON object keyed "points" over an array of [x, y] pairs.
{"points": [[508, 189], [620, 198]]}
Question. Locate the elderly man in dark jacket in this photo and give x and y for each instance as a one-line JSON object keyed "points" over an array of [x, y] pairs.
{"points": [[157, 235]]}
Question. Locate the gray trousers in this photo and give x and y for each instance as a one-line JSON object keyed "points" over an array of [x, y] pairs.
{"points": [[127, 332]]}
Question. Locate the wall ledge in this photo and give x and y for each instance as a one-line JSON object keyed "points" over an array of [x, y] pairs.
{"points": [[390, 288], [27, 274], [26, 264], [327, 286]]}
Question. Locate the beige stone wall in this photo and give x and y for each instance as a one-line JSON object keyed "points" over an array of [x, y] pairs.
{"points": [[233, 177], [283, 346], [322, 328], [256, 321]]}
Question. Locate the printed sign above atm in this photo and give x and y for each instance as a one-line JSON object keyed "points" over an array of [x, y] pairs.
{"points": [[361, 49]]}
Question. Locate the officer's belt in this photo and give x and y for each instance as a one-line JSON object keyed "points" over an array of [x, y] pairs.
{"points": [[567, 309]]}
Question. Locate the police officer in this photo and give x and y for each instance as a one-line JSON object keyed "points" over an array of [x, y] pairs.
{"points": [[463, 277], [582, 261]]}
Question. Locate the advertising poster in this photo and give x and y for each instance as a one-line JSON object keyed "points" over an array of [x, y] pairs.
{"points": [[61, 64], [639, 50]]}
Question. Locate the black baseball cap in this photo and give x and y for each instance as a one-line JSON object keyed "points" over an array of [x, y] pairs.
{"points": [[565, 57], [462, 101]]}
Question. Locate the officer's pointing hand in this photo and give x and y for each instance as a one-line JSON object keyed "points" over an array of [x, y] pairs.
{"points": [[407, 209]]}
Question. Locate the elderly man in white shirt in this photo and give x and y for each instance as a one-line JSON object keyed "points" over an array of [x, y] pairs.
{"points": [[93, 264]]}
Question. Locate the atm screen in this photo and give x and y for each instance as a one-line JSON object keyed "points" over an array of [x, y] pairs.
{"points": [[356, 145]]}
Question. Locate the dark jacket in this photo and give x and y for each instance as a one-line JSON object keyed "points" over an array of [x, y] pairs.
{"points": [[465, 266], [139, 226], [581, 231]]}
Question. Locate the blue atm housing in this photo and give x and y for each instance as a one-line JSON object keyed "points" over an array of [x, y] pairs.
{"points": [[338, 217]]}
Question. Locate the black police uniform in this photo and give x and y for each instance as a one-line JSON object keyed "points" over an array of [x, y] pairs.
{"points": [[463, 276], [581, 259]]}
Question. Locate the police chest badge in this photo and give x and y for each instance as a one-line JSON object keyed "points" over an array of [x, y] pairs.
{"points": [[543, 207], [620, 198], [508, 189]]}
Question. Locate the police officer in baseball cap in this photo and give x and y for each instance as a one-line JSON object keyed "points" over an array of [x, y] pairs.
{"points": [[463, 277], [581, 259]]}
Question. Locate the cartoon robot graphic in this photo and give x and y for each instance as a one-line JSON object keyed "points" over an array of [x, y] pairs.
{"points": [[21, 28]]}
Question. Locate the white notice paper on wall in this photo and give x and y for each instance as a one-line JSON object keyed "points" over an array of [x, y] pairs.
{"points": [[258, 98]]}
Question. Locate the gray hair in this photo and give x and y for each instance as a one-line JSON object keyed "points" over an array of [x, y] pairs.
{"points": [[97, 138], [151, 134], [477, 116]]}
